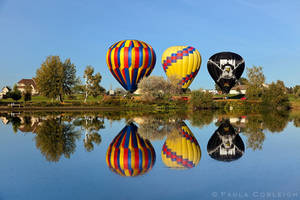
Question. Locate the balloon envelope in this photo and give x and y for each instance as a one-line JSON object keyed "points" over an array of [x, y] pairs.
{"points": [[129, 154], [226, 68], [181, 149], [182, 62], [225, 144], [129, 61]]}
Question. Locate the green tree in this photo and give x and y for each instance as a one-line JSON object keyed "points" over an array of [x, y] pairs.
{"points": [[201, 100], [55, 139], [54, 79], [15, 94], [275, 96], [256, 79], [27, 93], [92, 83], [69, 77]]}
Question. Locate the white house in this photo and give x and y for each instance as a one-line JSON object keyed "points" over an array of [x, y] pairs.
{"points": [[239, 89], [4, 91], [24, 82]]}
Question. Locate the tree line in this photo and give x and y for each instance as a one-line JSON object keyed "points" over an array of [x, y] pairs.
{"points": [[55, 79]]}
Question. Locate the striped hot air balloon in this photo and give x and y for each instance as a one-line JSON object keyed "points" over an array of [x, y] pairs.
{"points": [[182, 62], [129, 154], [181, 149], [129, 61]]}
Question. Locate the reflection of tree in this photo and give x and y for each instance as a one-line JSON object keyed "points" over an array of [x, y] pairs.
{"points": [[275, 121], [55, 138], [297, 121], [201, 119], [91, 125], [15, 122], [254, 133], [152, 128]]}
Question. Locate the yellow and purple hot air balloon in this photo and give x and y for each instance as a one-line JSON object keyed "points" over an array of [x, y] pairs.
{"points": [[182, 62], [129, 61], [129, 154], [181, 149]]}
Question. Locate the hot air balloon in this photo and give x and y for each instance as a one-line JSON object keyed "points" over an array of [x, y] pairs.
{"points": [[181, 149], [129, 61], [226, 68], [129, 154], [182, 62], [225, 144]]}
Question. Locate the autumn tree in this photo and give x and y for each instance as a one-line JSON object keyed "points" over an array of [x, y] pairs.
{"points": [[156, 87], [92, 83], [55, 79]]}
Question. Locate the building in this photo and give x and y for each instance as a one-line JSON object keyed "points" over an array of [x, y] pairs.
{"points": [[239, 89], [24, 82], [4, 91]]}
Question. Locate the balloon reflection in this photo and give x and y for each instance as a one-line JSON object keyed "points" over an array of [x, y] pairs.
{"points": [[225, 144], [129, 154], [181, 149]]}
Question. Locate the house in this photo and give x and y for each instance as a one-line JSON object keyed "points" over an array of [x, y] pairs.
{"points": [[25, 82], [4, 91], [239, 89]]}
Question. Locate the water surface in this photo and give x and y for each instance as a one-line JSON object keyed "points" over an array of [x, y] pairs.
{"points": [[93, 156]]}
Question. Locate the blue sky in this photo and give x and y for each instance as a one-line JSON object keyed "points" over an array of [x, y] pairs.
{"points": [[265, 33]]}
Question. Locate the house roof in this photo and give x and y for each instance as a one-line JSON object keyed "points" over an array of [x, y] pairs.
{"points": [[27, 82], [241, 87]]}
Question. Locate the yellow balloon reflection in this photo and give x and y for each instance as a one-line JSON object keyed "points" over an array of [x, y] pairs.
{"points": [[181, 149]]}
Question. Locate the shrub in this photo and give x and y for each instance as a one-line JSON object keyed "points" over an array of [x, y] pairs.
{"points": [[201, 100]]}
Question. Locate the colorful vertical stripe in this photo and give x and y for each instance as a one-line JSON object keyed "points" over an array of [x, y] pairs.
{"points": [[129, 154], [129, 61]]}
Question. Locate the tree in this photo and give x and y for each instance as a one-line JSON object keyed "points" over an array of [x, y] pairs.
{"points": [[27, 93], [275, 96], [243, 81], [201, 100], [15, 94], [296, 90], [54, 79], [156, 87], [256, 79], [92, 83], [69, 78]]}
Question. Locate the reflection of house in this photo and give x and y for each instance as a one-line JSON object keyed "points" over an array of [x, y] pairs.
{"points": [[29, 127], [4, 120], [239, 89], [4, 91], [27, 82]]}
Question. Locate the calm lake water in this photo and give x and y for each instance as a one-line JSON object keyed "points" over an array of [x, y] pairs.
{"points": [[95, 156]]}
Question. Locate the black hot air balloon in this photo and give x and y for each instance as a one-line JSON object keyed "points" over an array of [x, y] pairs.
{"points": [[226, 68], [225, 144]]}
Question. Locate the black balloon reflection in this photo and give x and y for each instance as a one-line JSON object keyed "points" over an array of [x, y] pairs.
{"points": [[225, 144], [129, 154]]}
